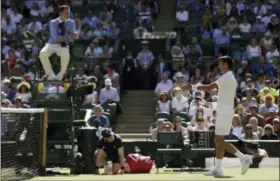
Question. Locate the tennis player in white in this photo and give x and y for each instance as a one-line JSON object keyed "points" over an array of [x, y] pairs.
{"points": [[226, 85]]}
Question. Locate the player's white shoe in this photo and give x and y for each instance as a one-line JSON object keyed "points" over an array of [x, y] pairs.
{"points": [[214, 172], [245, 163]]}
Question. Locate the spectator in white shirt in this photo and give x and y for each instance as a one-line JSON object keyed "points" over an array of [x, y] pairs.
{"points": [[182, 15], [35, 26], [15, 16], [8, 26], [163, 104], [260, 9], [253, 49], [272, 53], [46, 10], [249, 134], [56, 88], [179, 103], [237, 128], [245, 26], [35, 11], [164, 85]]}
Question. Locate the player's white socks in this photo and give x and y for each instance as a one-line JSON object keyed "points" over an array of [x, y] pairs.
{"points": [[219, 165], [239, 155]]}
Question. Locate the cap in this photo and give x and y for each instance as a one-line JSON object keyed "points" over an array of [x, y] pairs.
{"points": [[163, 93], [6, 81], [179, 74], [259, 17], [268, 81], [107, 133], [272, 110], [276, 120], [108, 81], [6, 101]]}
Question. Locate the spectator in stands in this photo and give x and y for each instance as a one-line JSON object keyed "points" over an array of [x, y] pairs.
{"points": [[266, 41], [8, 90], [99, 32], [260, 9], [145, 59], [93, 97], [18, 103], [163, 104], [222, 40], [179, 103], [253, 49], [231, 136], [197, 77], [237, 128], [129, 71], [272, 91], [182, 15], [259, 26], [168, 127], [272, 114], [267, 105], [98, 117], [245, 26], [144, 15], [139, 31], [272, 54], [257, 129], [35, 26], [109, 93], [249, 99], [86, 32], [23, 91], [249, 134], [8, 26], [199, 113], [91, 19], [269, 133], [276, 126], [232, 24], [200, 124], [114, 76], [178, 127], [195, 43], [253, 112], [165, 84], [159, 128], [56, 89]]}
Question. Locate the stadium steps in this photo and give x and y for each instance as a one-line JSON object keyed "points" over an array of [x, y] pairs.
{"points": [[138, 110], [166, 19]]}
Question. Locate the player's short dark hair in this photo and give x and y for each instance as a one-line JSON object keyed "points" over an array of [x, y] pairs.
{"points": [[228, 60], [63, 7]]}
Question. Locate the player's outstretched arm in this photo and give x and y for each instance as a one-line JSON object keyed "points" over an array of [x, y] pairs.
{"points": [[122, 159], [208, 87]]}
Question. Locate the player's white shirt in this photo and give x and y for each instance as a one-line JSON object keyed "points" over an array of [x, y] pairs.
{"points": [[227, 89]]}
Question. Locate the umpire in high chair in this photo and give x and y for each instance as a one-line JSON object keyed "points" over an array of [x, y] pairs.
{"points": [[62, 31]]}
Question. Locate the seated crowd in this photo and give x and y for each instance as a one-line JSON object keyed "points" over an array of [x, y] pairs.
{"points": [[251, 37]]}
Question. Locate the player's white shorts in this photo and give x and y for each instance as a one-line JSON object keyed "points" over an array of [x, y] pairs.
{"points": [[223, 123]]}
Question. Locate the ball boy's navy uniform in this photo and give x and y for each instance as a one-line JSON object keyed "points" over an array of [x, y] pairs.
{"points": [[111, 148]]}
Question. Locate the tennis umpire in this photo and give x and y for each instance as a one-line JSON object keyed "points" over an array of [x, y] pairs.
{"points": [[110, 148]]}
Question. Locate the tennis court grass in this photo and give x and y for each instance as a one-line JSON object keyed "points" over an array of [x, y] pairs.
{"points": [[230, 173]]}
